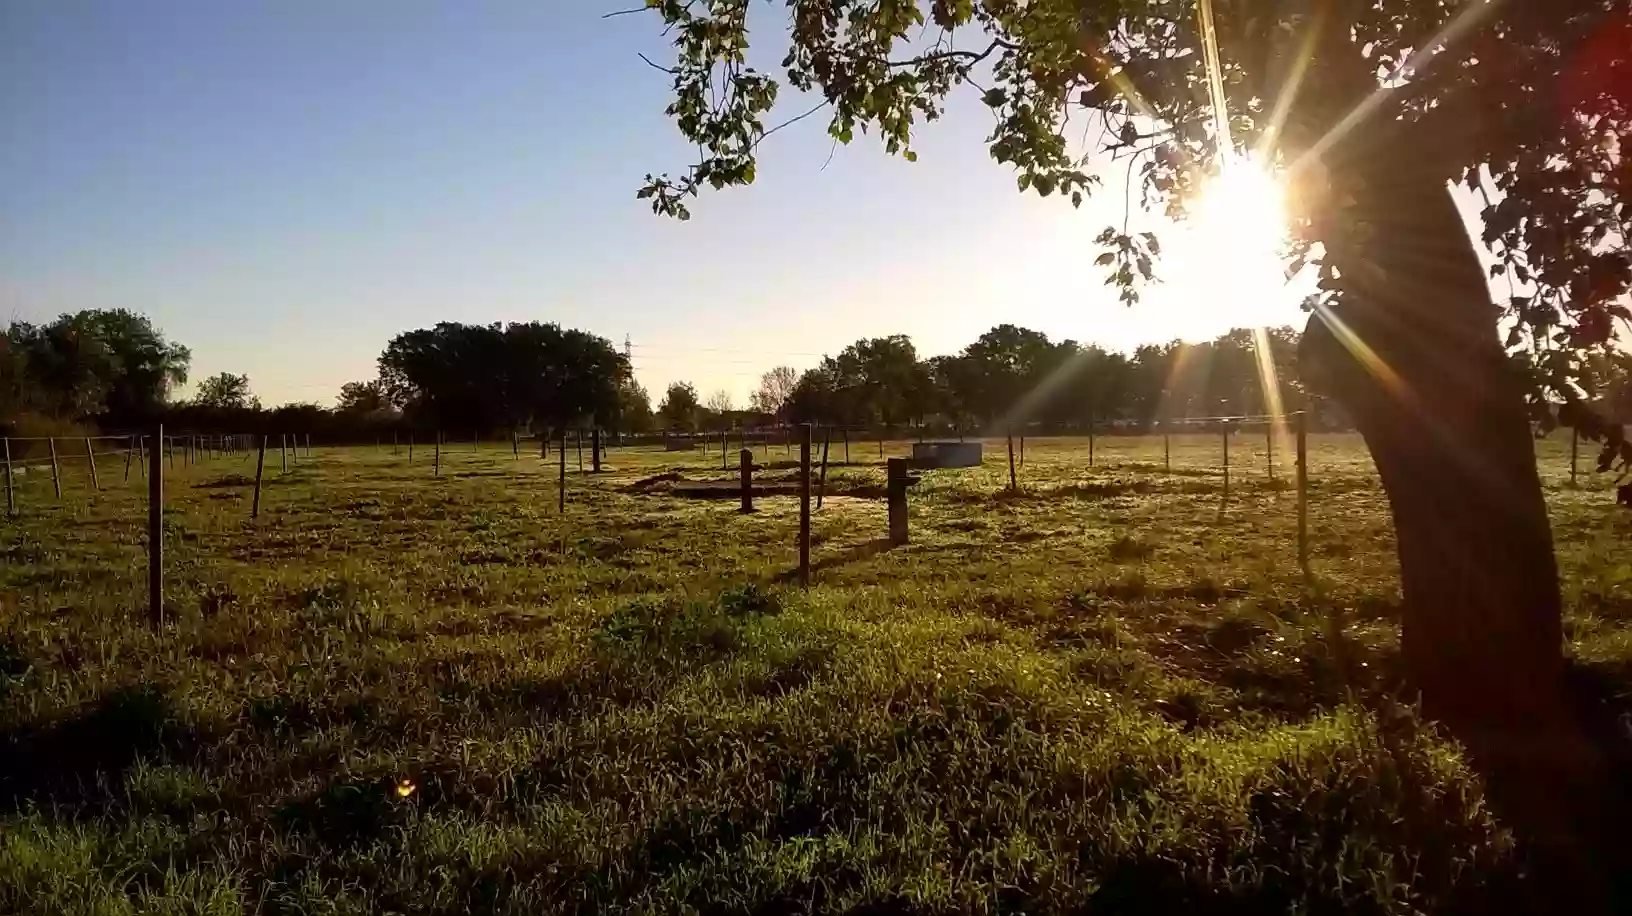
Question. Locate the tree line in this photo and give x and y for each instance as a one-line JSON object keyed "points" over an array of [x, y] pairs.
{"points": [[115, 370], [1014, 378]]}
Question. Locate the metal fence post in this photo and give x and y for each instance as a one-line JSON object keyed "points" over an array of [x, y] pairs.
{"points": [[260, 465], [56, 478], [804, 506], [11, 500], [1303, 497], [90, 456]]}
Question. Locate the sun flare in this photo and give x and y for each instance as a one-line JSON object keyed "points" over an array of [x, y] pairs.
{"points": [[1224, 264], [1237, 228]]}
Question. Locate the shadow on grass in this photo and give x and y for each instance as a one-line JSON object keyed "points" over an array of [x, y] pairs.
{"points": [[79, 760], [854, 554]]}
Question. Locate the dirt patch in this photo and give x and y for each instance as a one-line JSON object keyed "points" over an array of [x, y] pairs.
{"points": [[655, 482]]}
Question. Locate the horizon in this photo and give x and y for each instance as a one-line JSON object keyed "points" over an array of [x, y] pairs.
{"points": [[283, 190]]}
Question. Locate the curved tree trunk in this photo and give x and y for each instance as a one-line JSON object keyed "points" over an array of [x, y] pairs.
{"points": [[1412, 351]]}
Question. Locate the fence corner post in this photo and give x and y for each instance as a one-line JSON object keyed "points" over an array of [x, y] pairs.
{"points": [[747, 469]]}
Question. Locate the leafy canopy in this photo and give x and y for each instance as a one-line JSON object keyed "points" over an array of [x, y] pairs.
{"points": [[227, 391], [1522, 102]]}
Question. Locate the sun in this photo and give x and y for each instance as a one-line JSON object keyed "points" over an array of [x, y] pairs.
{"points": [[1223, 265], [1243, 211]]}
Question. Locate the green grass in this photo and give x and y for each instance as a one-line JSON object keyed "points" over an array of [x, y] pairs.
{"points": [[400, 693]]}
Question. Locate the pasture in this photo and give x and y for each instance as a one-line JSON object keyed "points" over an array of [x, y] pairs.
{"points": [[395, 692]]}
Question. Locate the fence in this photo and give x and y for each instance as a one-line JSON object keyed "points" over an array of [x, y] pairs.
{"points": [[114, 460]]}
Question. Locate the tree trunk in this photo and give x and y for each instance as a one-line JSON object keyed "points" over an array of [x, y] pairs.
{"points": [[1411, 350]]}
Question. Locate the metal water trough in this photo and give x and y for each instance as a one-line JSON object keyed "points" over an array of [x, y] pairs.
{"points": [[931, 455]]}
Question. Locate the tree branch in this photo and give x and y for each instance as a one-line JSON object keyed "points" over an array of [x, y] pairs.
{"points": [[793, 120], [656, 66], [973, 57]]}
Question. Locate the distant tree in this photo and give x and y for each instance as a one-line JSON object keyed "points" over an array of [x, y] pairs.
{"points": [[775, 387], [720, 401], [227, 392], [634, 407], [106, 364], [361, 398], [680, 408], [147, 366], [488, 377]]}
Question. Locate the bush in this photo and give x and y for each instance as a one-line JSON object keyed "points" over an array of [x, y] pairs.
{"points": [[28, 432]]}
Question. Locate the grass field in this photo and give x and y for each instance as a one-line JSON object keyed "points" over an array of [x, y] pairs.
{"points": [[400, 693]]}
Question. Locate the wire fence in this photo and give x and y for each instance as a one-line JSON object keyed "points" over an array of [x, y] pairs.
{"points": [[60, 468]]}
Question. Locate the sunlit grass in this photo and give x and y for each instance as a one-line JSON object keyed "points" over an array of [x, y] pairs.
{"points": [[438, 695]]}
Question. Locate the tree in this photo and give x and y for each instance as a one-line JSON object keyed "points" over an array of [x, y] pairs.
{"points": [[488, 377], [109, 364], [679, 408], [226, 391], [720, 402], [634, 407], [1372, 107], [775, 387], [361, 398]]}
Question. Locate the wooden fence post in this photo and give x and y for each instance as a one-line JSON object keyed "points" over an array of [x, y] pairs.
{"points": [[897, 480], [130, 449], [436, 456], [308, 445], [1575, 443], [595, 450], [1091, 443], [168, 447], [410, 448], [804, 506], [283, 452], [155, 531], [90, 456], [1167, 450], [56, 478], [846, 433], [1013, 484], [725, 454], [578, 441], [1022, 449], [1303, 498], [821, 482], [260, 465], [561, 453], [746, 464], [515, 445], [1225, 428], [11, 501]]}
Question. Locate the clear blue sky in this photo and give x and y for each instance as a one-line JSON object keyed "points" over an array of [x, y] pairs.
{"points": [[284, 185]]}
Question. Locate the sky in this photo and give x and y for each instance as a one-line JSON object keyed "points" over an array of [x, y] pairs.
{"points": [[284, 185]]}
